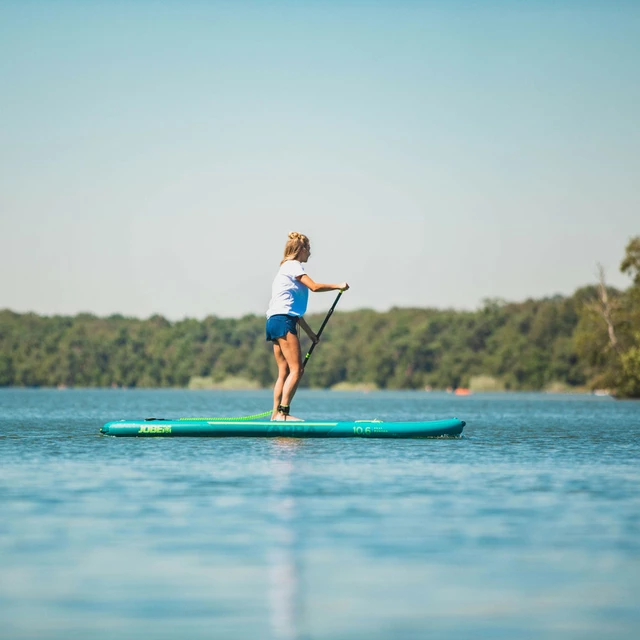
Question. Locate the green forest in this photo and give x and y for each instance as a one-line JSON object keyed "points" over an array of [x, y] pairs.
{"points": [[587, 341]]}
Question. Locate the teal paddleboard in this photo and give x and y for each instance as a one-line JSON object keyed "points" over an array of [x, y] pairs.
{"points": [[306, 429]]}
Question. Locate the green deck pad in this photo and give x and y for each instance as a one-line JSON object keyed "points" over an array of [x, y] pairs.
{"points": [[290, 429]]}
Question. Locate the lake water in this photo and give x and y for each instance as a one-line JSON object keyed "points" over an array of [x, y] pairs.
{"points": [[526, 527]]}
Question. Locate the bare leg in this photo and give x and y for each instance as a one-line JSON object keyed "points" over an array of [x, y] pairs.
{"points": [[290, 349], [283, 372]]}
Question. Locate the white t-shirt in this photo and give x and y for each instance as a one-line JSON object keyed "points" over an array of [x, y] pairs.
{"points": [[288, 295]]}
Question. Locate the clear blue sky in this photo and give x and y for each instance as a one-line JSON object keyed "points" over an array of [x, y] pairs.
{"points": [[154, 155]]}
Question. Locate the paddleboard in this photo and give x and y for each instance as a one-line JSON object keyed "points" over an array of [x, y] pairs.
{"points": [[155, 427]]}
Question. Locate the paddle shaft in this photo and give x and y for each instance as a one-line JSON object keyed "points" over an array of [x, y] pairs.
{"points": [[322, 326]]}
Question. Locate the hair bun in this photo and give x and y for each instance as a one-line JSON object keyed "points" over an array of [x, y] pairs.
{"points": [[296, 243]]}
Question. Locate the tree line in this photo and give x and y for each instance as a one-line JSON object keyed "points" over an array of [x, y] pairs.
{"points": [[588, 340]]}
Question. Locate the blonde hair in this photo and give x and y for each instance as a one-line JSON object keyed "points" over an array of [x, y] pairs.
{"points": [[295, 244]]}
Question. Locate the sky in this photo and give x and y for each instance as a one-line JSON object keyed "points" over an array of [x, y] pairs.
{"points": [[154, 155]]}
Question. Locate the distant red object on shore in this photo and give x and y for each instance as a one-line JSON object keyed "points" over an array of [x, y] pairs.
{"points": [[460, 391]]}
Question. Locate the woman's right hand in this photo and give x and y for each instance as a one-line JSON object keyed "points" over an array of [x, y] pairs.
{"points": [[343, 286]]}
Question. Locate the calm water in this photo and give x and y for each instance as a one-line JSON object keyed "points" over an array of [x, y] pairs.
{"points": [[527, 527]]}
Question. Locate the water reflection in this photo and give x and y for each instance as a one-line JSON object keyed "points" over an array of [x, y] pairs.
{"points": [[285, 602]]}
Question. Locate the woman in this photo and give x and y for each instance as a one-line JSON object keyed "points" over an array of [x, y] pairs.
{"points": [[289, 297]]}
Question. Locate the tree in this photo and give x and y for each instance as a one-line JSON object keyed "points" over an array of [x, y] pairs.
{"points": [[615, 356], [631, 262]]}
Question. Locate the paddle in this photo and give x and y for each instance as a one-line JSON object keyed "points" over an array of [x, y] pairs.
{"points": [[322, 326]]}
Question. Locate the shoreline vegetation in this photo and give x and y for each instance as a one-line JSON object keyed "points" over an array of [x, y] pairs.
{"points": [[583, 343], [339, 388], [229, 383]]}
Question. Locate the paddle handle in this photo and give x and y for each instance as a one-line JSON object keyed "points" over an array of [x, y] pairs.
{"points": [[322, 326]]}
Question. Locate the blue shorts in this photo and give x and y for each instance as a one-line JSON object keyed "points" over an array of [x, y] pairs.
{"points": [[278, 326]]}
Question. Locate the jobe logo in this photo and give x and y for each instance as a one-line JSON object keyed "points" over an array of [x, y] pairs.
{"points": [[148, 429]]}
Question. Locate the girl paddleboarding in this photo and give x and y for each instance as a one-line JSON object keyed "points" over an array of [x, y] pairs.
{"points": [[289, 298]]}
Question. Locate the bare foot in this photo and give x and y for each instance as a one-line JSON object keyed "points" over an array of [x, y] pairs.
{"points": [[282, 418]]}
